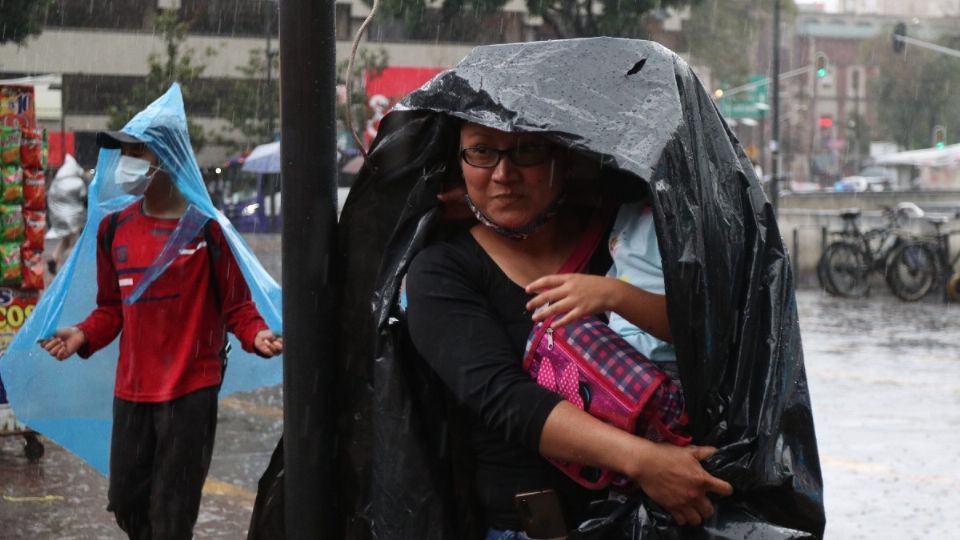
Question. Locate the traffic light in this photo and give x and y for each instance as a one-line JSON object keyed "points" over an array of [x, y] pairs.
{"points": [[899, 32], [821, 65], [939, 136]]}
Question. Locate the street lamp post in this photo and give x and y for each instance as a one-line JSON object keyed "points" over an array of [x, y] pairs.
{"points": [[309, 248], [775, 120], [270, 6]]}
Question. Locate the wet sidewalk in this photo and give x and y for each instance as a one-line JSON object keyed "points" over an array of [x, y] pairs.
{"points": [[884, 378], [62, 498]]}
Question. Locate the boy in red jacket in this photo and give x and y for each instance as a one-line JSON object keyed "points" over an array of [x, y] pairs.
{"points": [[171, 338]]}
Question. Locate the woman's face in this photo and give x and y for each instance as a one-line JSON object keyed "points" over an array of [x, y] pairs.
{"points": [[509, 194]]}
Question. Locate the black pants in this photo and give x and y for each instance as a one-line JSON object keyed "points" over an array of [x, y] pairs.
{"points": [[159, 458]]}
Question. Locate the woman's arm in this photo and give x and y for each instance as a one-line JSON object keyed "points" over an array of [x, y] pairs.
{"points": [[670, 475], [572, 296], [456, 329]]}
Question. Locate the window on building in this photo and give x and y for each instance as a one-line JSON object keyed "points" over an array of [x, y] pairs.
{"points": [[112, 14]]}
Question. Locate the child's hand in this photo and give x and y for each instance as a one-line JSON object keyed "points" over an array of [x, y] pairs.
{"points": [[267, 344], [576, 295], [65, 342]]}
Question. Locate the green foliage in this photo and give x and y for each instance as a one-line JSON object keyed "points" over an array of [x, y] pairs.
{"points": [[20, 19], [723, 35], [177, 64], [913, 91], [250, 103]]}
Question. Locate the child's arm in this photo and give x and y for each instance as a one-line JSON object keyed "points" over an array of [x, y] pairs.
{"points": [[103, 324], [580, 295], [239, 311]]}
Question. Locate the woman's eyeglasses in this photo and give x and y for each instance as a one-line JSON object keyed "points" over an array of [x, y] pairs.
{"points": [[524, 155]]}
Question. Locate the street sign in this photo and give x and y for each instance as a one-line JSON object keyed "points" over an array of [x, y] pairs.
{"points": [[749, 104]]}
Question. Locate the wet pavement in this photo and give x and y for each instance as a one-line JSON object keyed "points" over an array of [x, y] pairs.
{"points": [[62, 498], [885, 383]]}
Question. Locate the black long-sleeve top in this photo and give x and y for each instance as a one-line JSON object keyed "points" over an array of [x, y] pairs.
{"points": [[468, 320]]}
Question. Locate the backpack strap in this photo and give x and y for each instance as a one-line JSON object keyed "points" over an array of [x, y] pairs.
{"points": [[106, 243], [213, 250], [588, 241]]}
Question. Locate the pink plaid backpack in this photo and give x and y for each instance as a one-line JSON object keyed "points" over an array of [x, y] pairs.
{"points": [[591, 366]]}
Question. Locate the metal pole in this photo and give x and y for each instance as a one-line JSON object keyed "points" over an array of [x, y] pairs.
{"points": [[63, 121], [775, 135], [856, 125], [308, 153], [795, 256], [268, 91]]}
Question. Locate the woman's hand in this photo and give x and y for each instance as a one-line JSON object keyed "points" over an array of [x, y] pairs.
{"points": [[64, 343], [576, 295], [267, 344], [674, 478], [670, 475]]}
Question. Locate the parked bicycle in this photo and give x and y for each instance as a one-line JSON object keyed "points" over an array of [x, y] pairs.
{"points": [[847, 263], [919, 265]]}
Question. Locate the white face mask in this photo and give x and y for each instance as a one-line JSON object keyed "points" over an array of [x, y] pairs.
{"points": [[131, 175]]}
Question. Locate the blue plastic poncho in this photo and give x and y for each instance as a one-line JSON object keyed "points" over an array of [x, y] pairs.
{"points": [[71, 401]]}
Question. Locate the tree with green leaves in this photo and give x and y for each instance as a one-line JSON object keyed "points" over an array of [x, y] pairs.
{"points": [[913, 91], [723, 35], [245, 107], [177, 64], [20, 19]]}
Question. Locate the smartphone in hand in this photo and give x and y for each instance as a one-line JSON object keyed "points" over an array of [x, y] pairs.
{"points": [[541, 515]]}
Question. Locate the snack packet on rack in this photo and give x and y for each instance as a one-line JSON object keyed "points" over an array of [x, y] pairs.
{"points": [[34, 189], [11, 224], [11, 268], [9, 145], [32, 262], [35, 224], [31, 149], [11, 187]]}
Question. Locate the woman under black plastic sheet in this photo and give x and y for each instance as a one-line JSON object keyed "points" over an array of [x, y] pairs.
{"points": [[731, 305]]}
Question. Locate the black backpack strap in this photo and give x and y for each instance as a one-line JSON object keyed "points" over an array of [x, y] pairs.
{"points": [[109, 233], [213, 251]]}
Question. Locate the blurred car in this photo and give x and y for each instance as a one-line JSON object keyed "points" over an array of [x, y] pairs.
{"points": [[862, 183], [872, 178]]}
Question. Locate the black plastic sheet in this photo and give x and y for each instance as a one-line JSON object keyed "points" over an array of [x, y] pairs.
{"points": [[634, 106]]}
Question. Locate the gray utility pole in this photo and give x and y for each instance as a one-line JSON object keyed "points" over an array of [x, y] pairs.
{"points": [[308, 185], [270, 6], [775, 135]]}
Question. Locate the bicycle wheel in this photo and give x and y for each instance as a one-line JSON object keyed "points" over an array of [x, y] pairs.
{"points": [[822, 276], [846, 269], [912, 271]]}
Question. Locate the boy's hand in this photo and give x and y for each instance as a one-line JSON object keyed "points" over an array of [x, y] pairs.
{"points": [[65, 342], [267, 344], [575, 295]]}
